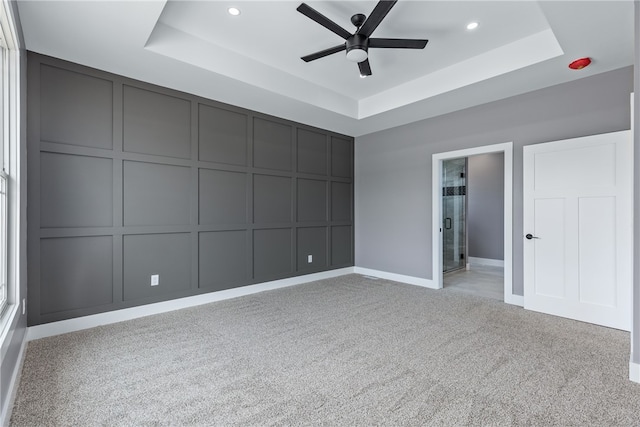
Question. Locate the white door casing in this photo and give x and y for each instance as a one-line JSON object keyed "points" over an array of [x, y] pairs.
{"points": [[436, 217], [578, 207]]}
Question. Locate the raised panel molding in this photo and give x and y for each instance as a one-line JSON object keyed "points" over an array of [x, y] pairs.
{"points": [[166, 255], [312, 200], [75, 191], [130, 180], [272, 253], [341, 246], [75, 108], [271, 199], [156, 194], [155, 123], [341, 157], [312, 249], [312, 152], [222, 136], [222, 197], [341, 201], [272, 145], [223, 259], [76, 272]]}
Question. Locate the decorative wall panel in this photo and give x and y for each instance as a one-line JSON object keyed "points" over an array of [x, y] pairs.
{"points": [[76, 108], [166, 255], [128, 180], [156, 123], [222, 136], [272, 145], [77, 272], [76, 191]]}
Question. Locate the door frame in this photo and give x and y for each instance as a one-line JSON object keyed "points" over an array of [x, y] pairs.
{"points": [[436, 203]]}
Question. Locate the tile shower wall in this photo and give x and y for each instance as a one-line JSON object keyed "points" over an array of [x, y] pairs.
{"points": [[129, 180]]}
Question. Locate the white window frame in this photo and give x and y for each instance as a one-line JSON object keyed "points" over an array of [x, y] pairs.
{"points": [[4, 292], [10, 168], [4, 155]]}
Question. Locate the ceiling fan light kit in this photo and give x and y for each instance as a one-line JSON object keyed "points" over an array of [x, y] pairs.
{"points": [[357, 44]]}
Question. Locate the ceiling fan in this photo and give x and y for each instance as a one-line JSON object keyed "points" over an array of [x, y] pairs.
{"points": [[358, 43]]}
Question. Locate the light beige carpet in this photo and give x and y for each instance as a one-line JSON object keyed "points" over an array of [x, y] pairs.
{"points": [[345, 351]]}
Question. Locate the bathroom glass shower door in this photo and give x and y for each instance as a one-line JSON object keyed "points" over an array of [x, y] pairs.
{"points": [[454, 192]]}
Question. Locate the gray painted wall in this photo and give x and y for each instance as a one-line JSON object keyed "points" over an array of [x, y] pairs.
{"points": [[393, 167], [485, 206], [127, 180]]}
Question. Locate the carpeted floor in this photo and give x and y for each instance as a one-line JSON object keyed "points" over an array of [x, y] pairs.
{"points": [[344, 351]]}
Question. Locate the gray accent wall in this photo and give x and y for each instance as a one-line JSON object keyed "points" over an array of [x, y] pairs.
{"points": [[129, 180], [485, 206], [393, 167]]}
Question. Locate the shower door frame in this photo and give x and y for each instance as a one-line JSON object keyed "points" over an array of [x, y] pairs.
{"points": [[436, 216], [456, 225]]}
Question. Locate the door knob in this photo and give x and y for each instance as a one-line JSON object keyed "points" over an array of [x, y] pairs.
{"points": [[531, 236]]}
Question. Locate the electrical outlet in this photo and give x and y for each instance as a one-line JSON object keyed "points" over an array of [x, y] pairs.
{"points": [[24, 306], [309, 259], [155, 279]]}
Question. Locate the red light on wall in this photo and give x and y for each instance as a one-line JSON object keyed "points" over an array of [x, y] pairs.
{"points": [[579, 64]]}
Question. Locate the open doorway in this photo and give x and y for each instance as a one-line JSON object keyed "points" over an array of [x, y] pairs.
{"points": [[456, 259], [473, 225]]}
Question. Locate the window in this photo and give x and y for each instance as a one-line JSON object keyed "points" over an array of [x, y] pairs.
{"points": [[4, 294], [3, 242], [10, 173]]}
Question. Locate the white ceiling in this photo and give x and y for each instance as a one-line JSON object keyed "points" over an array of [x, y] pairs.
{"points": [[253, 60]]}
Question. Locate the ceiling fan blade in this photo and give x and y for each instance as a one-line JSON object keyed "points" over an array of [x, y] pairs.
{"points": [[365, 68], [310, 12], [375, 18], [398, 43], [323, 53]]}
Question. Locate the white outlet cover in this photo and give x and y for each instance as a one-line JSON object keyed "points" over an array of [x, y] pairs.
{"points": [[155, 279], [309, 258]]}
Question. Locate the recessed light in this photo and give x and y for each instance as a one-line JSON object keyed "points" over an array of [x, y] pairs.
{"points": [[233, 11], [472, 25]]}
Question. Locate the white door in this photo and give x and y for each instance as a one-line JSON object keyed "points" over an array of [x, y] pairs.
{"points": [[578, 214]]}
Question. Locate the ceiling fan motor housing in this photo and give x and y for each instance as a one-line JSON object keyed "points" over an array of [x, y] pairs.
{"points": [[357, 46], [358, 19]]}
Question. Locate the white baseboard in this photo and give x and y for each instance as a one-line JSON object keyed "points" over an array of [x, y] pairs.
{"points": [[86, 322], [485, 261], [634, 372], [5, 412], [411, 280]]}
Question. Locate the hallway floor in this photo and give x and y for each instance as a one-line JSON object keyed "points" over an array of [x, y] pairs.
{"points": [[480, 280]]}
